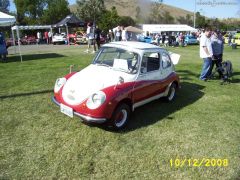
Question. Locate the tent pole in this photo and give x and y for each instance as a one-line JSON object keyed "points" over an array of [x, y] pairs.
{"points": [[67, 35], [13, 38], [51, 34], [19, 48]]}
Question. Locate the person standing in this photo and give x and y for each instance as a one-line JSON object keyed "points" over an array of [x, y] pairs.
{"points": [[39, 37], [206, 54], [98, 37], [91, 38], [46, 37], [124, 34], [217, 47], [229, 39], [3, 48], [50, 37], [118, 34]]}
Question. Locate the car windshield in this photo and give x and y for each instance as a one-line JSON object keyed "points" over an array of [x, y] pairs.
{"points": [[118, 59]]}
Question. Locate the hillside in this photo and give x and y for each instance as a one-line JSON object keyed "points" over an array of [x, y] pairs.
{"points": [[128, 8]]}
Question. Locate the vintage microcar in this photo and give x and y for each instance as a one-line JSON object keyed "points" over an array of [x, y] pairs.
{"points": [[122, 77]]}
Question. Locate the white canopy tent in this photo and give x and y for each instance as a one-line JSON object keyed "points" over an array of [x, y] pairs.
{"points": [[21, 28], [158, 28], [6, 20]]}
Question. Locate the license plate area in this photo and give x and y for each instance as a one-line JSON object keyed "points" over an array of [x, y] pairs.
{"points": [[66, 110]]}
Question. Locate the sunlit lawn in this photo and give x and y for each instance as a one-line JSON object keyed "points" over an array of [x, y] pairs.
{"points": [[37, 141]]}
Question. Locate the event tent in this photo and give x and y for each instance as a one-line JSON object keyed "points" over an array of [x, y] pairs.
{"points": [[158, 28], [6, 20], [133, 29], [69, 21], [21, 28]]}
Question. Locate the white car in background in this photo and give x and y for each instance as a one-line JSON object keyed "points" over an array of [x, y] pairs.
{"points": [[59, 38]]}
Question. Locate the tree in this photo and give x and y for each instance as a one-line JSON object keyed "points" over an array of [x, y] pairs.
{"points": [[126, 21], [185, 20], [4, 5], [29, 11], [109, 19], [167, 18], [41, 11], [90, 10], [200, 21], [59, 7]]}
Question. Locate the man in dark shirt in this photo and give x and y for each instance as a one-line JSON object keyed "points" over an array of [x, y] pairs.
{"points": [[98, 37]]}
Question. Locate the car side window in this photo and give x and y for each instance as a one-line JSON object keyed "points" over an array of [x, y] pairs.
{"points": [[150, 62], [166, 61]]}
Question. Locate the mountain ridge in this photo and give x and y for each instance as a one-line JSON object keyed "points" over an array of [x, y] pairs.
{"points": [[128, 8]]}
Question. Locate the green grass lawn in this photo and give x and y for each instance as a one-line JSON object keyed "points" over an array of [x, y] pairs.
{"points": [[37, 141]]}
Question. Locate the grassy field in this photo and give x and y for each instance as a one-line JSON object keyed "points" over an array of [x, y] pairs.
{"points": [[161, 141]]}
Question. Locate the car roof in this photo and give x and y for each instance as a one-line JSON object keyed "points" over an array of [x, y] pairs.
{"points": [[132, 45]]}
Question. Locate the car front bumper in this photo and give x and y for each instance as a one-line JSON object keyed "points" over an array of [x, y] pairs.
{"points": [[85, 118]]}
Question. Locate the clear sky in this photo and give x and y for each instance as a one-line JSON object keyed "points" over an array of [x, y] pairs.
{"points": [[209, 8]]}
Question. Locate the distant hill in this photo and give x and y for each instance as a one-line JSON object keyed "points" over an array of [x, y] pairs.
{"points": [[128, 8]]}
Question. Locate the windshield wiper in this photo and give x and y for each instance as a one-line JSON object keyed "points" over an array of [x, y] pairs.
{"points": [[100, 64]]}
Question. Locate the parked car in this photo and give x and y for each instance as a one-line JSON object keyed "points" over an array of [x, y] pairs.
{"points": [[81, 37], [122, 77], [191, 40], [142, 38], [28, 40], [234, 39], [72, 38], [59, 38]]}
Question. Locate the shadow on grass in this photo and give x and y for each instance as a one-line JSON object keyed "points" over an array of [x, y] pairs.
{"points": [[159, 110], [25, 94], [187, 75], [30, 57], [234, 79]]}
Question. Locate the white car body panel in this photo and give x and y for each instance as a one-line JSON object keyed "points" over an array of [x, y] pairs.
{"points": [[90, 80]]}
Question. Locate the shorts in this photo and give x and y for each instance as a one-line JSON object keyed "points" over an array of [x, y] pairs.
{"points": [[91, 41]]}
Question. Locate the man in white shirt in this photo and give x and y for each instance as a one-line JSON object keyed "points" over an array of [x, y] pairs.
{"points": [[206, 54], [91, 38]]}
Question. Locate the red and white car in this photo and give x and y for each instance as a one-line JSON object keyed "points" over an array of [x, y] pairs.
{"points": [[122, 77]]}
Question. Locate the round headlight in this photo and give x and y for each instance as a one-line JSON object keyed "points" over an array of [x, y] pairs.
{"points": [[96, 100], [59, 83]]}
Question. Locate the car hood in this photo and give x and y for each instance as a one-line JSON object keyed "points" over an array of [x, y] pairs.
{"points": [[90, 80]]}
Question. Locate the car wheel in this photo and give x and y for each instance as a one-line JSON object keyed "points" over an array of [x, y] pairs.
{"points": [[171, 93], [120, 116]]}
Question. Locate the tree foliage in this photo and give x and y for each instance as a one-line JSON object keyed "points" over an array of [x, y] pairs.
{"points": [[41, 11], [185, 20], [95, 11], [200, 21], [4, 5], [109, 19], [90, 10], [55, 7], [29, 11]]}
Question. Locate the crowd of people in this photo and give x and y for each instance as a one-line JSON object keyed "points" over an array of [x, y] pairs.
{"points": [[46, 37], [211, 45], [94, 34]]}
